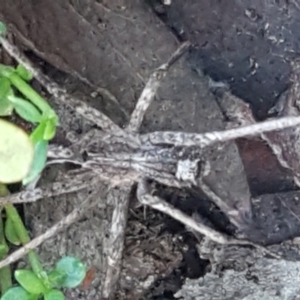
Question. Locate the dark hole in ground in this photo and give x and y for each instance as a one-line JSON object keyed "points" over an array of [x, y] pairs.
{"points": [[251, 53]]}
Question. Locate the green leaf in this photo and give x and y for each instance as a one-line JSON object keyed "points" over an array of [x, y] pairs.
{"points": [[3, 29], [56, 278], [39, 161], [74, 270], [24, 73], [16, 153], [10, 232], [55, 295], [3, 250], [38, 133], [6, 107], [25, 109], [30, 282], [4, 87], [45, 130], [17, 293], [50, 128], [6, 71], [27, 91]]}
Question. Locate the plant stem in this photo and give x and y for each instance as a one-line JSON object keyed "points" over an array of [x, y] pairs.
{"points": [[23, 235], [30, 93], [5, 272]]}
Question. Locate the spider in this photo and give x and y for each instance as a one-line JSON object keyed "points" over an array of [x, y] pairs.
{"points": [[121, 157]]}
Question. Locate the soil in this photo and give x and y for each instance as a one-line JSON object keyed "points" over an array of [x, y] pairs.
{"points": [[116, 45]]}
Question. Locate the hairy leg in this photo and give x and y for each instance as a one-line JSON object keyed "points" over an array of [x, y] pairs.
{"points": [[145, 198]]}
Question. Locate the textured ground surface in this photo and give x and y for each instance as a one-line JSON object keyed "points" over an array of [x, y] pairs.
{"points": [[116, 45]]}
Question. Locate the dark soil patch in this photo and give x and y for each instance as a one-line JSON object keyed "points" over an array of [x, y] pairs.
{"points": [[249, 45]]}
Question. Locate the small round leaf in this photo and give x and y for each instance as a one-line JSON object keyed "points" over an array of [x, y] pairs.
{"points": [[16, 153], [30, 282], [17, 293], [74, 269], [55, 295]]}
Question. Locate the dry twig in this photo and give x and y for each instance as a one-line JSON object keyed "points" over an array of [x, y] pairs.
{"points": [[59, 226]]}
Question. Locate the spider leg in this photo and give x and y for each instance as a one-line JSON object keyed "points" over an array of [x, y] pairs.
{"points": [[159, 204], [145, 197], [207, 139], [115, 244], [159, 175], [151, 88]]}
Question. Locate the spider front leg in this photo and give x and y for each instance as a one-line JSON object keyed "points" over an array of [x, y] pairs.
{"points": [[144, 196], [151, 88]]}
